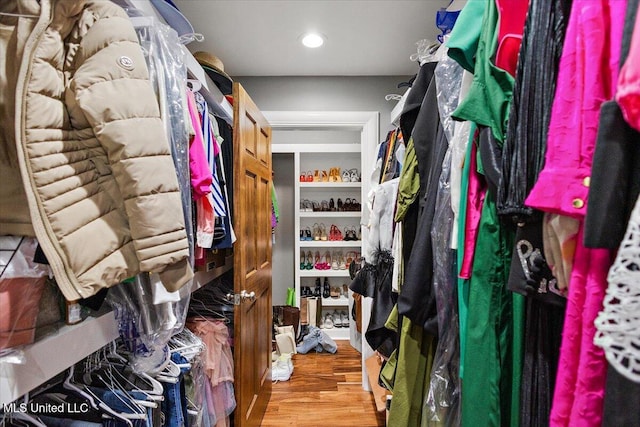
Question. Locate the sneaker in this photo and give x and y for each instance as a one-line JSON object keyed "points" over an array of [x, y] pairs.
{"points": [[280, 371], [286, 358]]}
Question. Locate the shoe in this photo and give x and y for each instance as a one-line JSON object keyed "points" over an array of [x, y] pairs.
{"points": [[332, 205], [328, 321], [326, 288], [301, 234], [345, 290], [336, 175], [316, 176], [309, 177], [335, 292], [353, 175], [346, 176], [316, 291], [342, 265], [307, 206], [303, 262], [315, 206], [325, 176], [335, 264], [324, 206], [347, 205], [323, 232], [344, 319], [307, 234], [337, 320], [308, 265], [327, 261], [349, 259], [280, 371], [316, 232], [340, 205]]}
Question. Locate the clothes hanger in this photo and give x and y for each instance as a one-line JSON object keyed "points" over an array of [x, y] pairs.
{"points": [[19, 15], [194, 85]]}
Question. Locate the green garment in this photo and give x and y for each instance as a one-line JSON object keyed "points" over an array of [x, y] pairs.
{"points": [[274, 203], [494, 342], [409, 185], [489, 97], [413, 371], [463, 284], [464, 38]]}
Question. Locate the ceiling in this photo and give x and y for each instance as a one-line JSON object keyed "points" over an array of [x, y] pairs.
{"points": [[262, 37]]}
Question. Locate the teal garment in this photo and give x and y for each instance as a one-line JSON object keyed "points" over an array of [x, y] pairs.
{"points": [[489, 97], [463, 284], [464, 38], [413, 371], [274, 203], [494, 342]]}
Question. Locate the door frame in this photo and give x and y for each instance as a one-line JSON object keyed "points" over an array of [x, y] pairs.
{"points": [[368, 124]]}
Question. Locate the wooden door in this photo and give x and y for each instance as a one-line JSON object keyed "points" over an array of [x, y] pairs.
{"points": [[252, 259]]}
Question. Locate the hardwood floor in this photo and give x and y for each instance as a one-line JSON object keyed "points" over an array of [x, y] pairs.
{"points": [[324, 390]]}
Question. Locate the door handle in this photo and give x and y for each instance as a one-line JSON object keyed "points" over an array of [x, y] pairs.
{"points": [[251, 296]]}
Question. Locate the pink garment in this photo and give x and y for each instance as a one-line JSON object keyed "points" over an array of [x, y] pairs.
{"points": [[587, 77], [628, 91], [201, 177], [511, 27], [218, 360], [579, 391], [475, 199], [205, 222]]}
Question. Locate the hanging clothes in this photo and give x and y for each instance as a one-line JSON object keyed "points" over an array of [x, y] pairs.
{"points": [[587, 77]]}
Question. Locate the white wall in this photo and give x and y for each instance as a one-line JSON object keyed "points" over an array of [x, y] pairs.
{"points": [[282, 261], [326, 94]]}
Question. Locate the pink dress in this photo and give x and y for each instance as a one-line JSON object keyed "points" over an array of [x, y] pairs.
{"points": [[587, 77]]}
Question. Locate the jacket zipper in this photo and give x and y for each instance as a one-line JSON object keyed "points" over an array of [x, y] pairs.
{"points": [[43, 235]]}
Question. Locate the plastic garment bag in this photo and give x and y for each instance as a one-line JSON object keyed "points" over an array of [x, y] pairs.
{"points": [[442, 403]]}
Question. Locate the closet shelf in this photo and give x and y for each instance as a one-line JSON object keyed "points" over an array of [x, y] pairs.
{"points": [[335, 302], [331, 184], [53, 354], [330, 244], [324, 273], [337, 333], [355, 214]]}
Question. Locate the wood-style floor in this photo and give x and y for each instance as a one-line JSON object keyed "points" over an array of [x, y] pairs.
{"points": [[324, 390]]}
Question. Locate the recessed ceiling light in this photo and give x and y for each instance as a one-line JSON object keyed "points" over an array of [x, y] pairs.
{"points": [[312, 40]]}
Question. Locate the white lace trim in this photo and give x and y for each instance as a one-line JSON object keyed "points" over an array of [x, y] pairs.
{"points": [[618, 323]]}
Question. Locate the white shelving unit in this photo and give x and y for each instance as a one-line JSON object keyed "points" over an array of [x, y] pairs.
{"points": [[307, 159], [51, 355]]}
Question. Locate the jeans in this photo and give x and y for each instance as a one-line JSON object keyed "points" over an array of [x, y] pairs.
{"points": [[122, 402], [174, 404], [66, 422]]}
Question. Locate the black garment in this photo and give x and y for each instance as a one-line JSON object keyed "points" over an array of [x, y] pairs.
{"points": [[615, 176], [375, 281], [533, 94], [417, 298], [529, 249], [621, 401], [226, 132], [414, 100], [615, 180], [543, 335]]}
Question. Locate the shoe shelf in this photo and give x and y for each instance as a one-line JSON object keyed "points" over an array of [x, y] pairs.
{"points": [[330, 184], [330, 244], [335, 302], [324, 273], [337, 333], [350, 214]]}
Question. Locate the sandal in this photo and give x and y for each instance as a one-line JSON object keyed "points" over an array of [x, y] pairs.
{"points": [[324, 206], [315, 206], [335, 292], [325, 176], [316, 176], [323, 232], [316, 231], [345, 290], [334, 263], [342, 265], [336, 175], [309, 177], [346, 176], [308, 263], [349, 259], [353, 175], [307, 234]]}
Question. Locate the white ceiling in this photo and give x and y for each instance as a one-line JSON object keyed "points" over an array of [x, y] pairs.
{"points": [[261, 37]]}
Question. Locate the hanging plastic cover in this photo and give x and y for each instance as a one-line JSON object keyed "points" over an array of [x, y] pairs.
{"points": [[442, 403], [147, 315], [22, 282]]}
